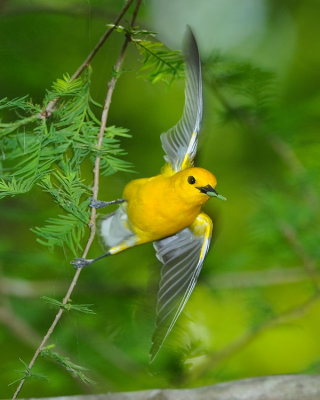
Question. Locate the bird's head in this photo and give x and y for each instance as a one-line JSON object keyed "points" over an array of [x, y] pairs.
{"points": [[196, 185]]}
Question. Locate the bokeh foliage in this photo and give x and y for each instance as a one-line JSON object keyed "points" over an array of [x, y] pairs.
{"points": [[260, 137]]}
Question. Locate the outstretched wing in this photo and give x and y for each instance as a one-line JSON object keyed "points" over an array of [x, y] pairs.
{"points": [[182, 256], [180, 142]]}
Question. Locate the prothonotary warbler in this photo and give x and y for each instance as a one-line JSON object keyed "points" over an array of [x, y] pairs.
{"points": [[166, 209]]}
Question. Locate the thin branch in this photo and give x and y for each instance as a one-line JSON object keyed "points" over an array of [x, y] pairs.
{"points": [[275, 387], [309, 264], [277, 144], [18, 327], [155, 55], [101, 41], [286, 154], [271, 276], [95, 189], [24, 288], [258, 278], [225, 280], [50, 107], [248, 337]]}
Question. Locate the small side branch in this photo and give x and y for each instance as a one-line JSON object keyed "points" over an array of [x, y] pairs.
{"points": [[248, 337], [278, 145], [51, 105], [310, 265]]}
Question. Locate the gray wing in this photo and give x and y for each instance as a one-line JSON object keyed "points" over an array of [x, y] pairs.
{"points": [[182, 256], [180, 142]]}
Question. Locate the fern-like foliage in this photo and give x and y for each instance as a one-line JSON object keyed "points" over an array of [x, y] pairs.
{"points": [[51, 153], [68, 191], [250, 90], [12, 187], [288, 205], [26, 373], [19, 105], [65, 362], [84, 308], [158, 62]]}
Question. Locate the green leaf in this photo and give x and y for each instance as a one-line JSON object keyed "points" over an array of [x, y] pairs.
{"points": [[65, 87], [67, 364], [159, 63], [12, 187], [27, 374], [84, 308], [65, 230], [67, 189], [19, 102]]}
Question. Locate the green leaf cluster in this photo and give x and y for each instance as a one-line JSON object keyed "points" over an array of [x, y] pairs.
{"points": [[55, 152], [159, 64], [27, 374], [65, 362], [84, 308], [253, 90], [288, 193]]}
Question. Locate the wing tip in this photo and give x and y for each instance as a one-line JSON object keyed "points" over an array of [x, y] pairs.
{"points": [[176, 141], [191, 49], [154, 351]]}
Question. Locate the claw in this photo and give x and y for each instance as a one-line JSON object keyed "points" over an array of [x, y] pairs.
{"points": [[80, 262], [97, 203], [100, 204]]}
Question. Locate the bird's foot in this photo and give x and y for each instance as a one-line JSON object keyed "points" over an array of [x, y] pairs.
{"points": [[80, 262], [98, 203]]}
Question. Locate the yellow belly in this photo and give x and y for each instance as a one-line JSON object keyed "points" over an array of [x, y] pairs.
{"points": [[155, 210]]}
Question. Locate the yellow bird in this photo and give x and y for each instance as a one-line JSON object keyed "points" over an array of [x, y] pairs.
{"points": [[166, 209]]}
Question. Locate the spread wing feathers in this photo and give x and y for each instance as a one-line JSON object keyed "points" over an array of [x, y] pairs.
{"points": [[182, 256], [180, 142], [115, 228]]}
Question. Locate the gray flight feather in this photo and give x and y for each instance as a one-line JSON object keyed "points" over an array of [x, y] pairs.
{"points": [[180, 142], [182, 256]]}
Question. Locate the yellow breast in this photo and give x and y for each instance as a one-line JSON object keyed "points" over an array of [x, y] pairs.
{"points": [[155, 209]]}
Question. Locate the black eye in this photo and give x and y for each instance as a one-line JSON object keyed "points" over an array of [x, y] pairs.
{"points": [[191, 180]]}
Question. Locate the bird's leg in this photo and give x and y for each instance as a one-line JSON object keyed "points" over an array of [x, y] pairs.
{"points": [[82, 262], [100, 204]]}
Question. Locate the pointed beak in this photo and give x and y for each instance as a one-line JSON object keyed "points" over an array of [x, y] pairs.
{"points": [[208, 190]]}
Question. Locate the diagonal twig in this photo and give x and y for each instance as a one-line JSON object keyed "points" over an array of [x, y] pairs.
{"points": [[248, 337], [95, 189], [289, 233], [50, 106]]}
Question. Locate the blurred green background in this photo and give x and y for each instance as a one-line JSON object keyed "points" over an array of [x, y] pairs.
{"points": [[264, 257]]}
